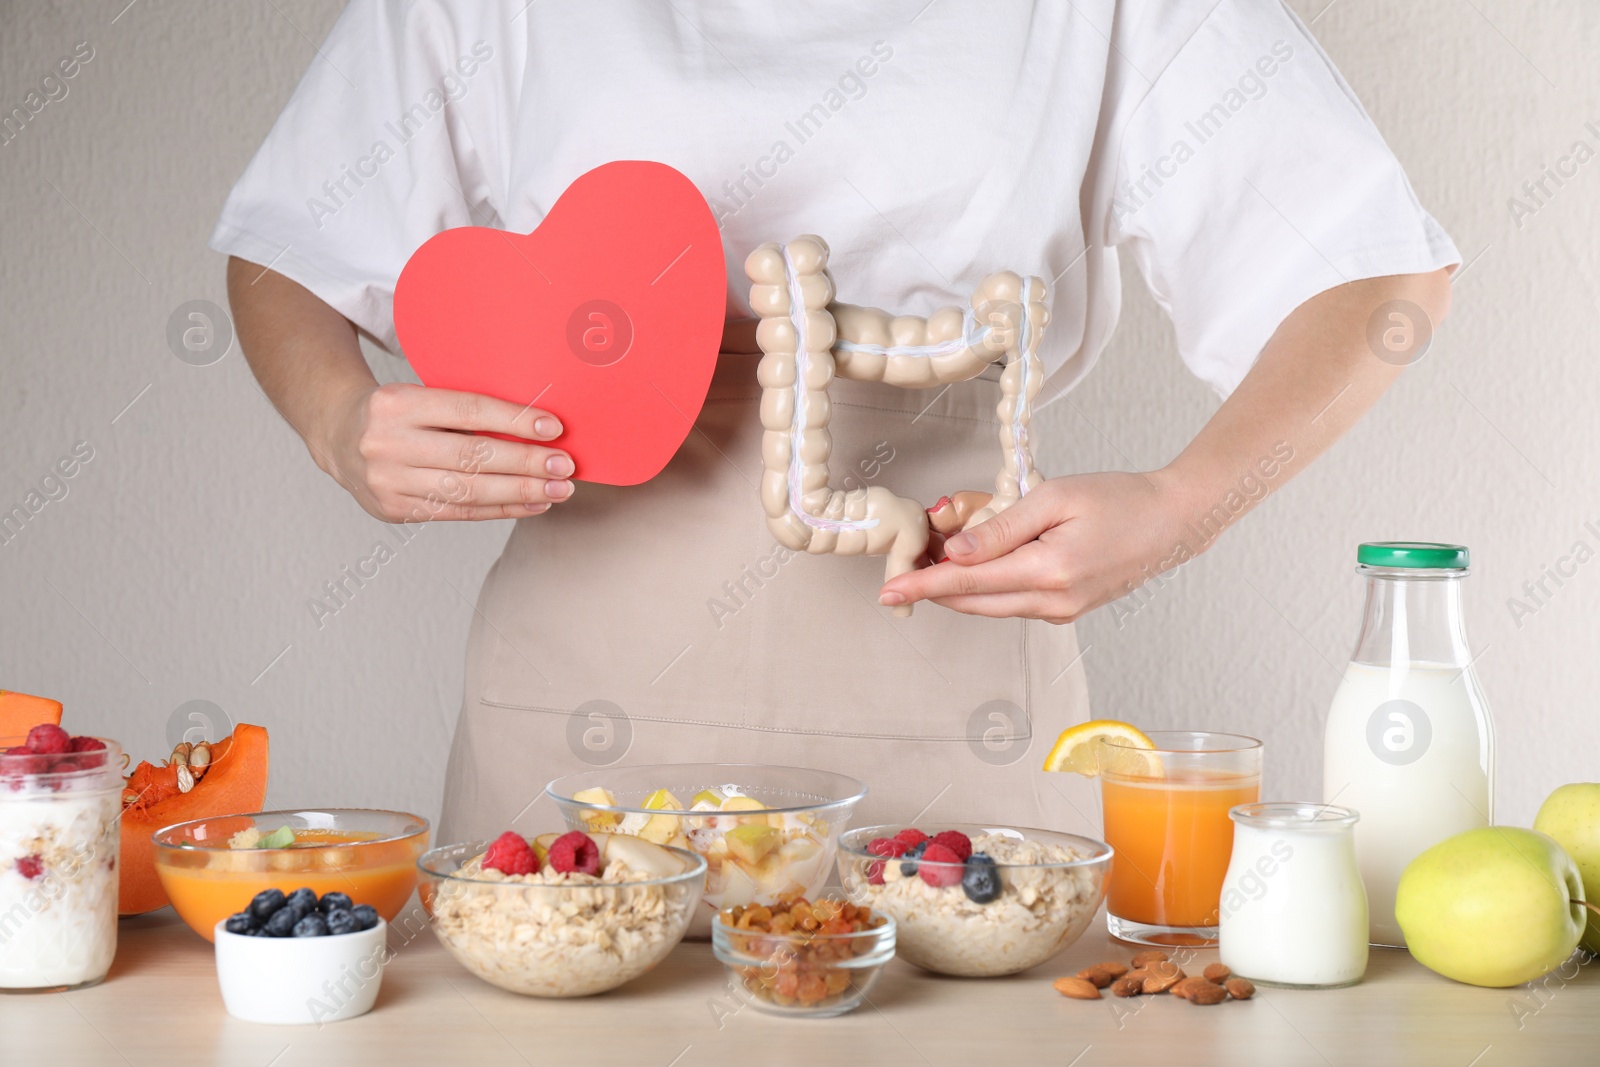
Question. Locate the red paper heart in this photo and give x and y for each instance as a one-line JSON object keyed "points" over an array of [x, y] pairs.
{"points": [[608, 315]]}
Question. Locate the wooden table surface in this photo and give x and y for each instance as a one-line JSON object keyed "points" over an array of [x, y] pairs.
{"points": [[160, 1006]]}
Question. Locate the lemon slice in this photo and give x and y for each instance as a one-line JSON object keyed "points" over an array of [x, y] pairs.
{"points": [[1074, 750]]}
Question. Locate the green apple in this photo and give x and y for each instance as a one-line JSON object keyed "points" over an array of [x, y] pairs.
{"points": [[1496, 906], [1571, 815]]}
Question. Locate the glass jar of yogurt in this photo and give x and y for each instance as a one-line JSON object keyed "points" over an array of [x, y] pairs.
{"points": [[1293, 909], [59, 837]]}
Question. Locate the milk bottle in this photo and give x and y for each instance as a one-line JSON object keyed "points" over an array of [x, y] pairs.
{"points": [[1409, 743]]}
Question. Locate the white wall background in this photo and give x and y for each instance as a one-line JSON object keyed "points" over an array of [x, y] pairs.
{"points": [[180, 562]]}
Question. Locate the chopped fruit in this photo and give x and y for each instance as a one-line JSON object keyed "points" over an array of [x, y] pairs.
{"points": [[661, 828], [19, 711], [1077, 749], [598, 820], [981, 882], [753, 843], [511, 854], [707, 796], [739, 803], [956, 842], [662, 800], [911, 836], [575, 851], [541, 847], [940, 866], [30, 867], [282, 837], [640, 855], [48, 739]]}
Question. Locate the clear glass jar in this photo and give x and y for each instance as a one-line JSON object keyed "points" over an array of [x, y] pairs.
{"points": [[59, 836], [1293, 911], [1409, 742]]}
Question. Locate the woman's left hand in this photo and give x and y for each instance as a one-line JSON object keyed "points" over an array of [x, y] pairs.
{"points": [[1069, 546]]}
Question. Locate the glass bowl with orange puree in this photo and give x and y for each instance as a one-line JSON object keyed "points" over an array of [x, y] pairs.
{"points": [[369, 854]]}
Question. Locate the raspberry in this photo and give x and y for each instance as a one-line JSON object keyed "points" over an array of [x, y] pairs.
{"points": [[956, 842], [911, 836], [875, 872], [940, 867], [25, 761], [85, 744], [887, 847], [575, 851], [511, 854], [48, 739], [30, 867]]}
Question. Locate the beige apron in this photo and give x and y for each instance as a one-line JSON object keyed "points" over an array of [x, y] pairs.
{"points": [[661, 623]]}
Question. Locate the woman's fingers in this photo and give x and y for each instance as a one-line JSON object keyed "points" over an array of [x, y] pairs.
{"points": [[448, 409], [1009, 530], [473, 455], [1046, 606], [1027, 569]]}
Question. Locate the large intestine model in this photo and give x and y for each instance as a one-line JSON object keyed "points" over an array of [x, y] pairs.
{"points": [[808, 339]]}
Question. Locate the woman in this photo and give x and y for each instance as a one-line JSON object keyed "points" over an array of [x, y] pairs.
{"points": [[929, 144]]}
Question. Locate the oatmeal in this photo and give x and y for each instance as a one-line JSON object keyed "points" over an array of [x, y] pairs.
{"points": [[565, 933], [999, 909]]}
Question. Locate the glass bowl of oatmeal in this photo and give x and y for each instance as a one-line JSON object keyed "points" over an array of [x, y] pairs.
{"points": [[767, 833], [1019, 898], [550, 934]]}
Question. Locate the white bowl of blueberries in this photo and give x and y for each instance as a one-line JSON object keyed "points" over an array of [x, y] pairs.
{"points": [[300, 958]]}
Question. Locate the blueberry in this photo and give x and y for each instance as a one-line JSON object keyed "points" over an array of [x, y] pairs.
{"points": [[981, 882], [242, 923], [281, 923], [908, 864], [341, 922], [302, 900], [332, 902], [365, 915], [313, 925], [264, 903]]}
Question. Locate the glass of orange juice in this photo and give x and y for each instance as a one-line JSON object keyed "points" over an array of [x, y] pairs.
{"points": [[1166, 815]]}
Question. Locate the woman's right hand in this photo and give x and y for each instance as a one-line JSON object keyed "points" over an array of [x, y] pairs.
{"points": [[408, 453]]}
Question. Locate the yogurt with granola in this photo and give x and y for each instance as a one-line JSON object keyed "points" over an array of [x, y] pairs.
{"points": [[993, 903], [59, 838], [558, 922]]}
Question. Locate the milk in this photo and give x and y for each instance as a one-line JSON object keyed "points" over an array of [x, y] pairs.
{"points": [[1410, 747], [1292, 910]]}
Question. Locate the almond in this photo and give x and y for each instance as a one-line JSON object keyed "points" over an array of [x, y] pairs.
{"points": [[1155, 955], [1095, 976], [1240, 988], [1163, 976], [1077, 989], [1217, 972], [1207, 993], [1113, 968], [1128, 986], [1181, 989]]}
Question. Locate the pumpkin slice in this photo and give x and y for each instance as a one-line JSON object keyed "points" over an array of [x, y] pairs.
{"points": [[20, 713], [235, 782]]}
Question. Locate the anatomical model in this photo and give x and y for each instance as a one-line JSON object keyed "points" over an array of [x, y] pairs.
{"points": [[807, 339]]}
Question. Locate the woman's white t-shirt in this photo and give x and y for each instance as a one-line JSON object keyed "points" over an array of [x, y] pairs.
{"points": [[929, 143]]}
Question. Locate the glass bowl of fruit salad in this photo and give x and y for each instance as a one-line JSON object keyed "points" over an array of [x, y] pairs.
{"points": [[976, 900], [212, 868], [564, 914], [767, 833]]}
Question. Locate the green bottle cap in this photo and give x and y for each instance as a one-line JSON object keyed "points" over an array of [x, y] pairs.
{"points": [[1413, 555]]}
